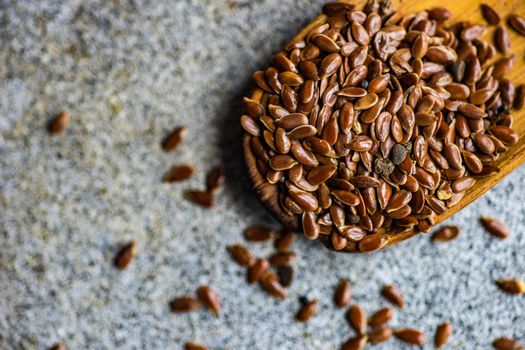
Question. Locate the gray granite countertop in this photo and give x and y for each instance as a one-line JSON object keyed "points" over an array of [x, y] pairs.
{"points": [[128, 72]]}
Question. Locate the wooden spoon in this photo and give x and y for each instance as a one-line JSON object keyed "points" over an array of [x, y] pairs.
{"points": [[508, 161]]}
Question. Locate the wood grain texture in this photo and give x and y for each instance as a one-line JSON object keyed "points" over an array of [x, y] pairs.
{"points": [[462, 10]]}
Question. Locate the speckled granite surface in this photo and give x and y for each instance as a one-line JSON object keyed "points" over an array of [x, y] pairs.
{"points": [[129, 71]]}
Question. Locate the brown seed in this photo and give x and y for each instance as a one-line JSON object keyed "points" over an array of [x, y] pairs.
{"points": [[258, 233], [256, 270], [291, 78], [356, 343], [194, 346], [126, 255], [381, 316], [410, 336], [330, 65], [285, 240], [503, 66], [215, 178], [272, 286], [505, 343], [209, 299], [489, 14], [495, 227], [282, 258], [178, 173], [502, 40], [519, 100], [184, 304], [511, 286], [357, 318], [203, 198], [343, 293], [398, 200], [504, 134], [59, 123], [483, 143], [307, 311], [285, 273], [352, 233], [445, 233], [443, 332], [58, 346], [379, 335], [394, 295], [472, 32], [241, 254], [517, 23]]}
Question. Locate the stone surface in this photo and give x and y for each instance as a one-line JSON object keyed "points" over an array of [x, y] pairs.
{"points": [[128, 72]]}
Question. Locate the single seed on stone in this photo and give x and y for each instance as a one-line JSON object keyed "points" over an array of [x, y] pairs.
{"points": [[445, 233], [194, 346], [178, 173], [256, 270], [307, 311], [394, 295], [343, 293], [511, 286], [184, 304], [381, 316], [259, 233], [126, 255], [241, 254], [59, 123], [505, 343], [174, 138], [410, 336], [356, 343], [357, 318], [209, 299], [443, 333], [203, 198], [495, 227], [380, 335], [215, 178], [58, 346], [285, 273]]}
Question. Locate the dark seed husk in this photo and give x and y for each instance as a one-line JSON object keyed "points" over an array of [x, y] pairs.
{"points": [[285, 273], [209, 299], [126, 255]]}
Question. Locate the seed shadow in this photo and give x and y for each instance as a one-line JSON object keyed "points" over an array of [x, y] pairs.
{"points": [[238, 185]]}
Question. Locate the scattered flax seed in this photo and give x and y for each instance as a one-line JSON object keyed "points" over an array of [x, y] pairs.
{"points": [[184, 304], [285, 240], [381, 316], [511, 286], [356, 343], [356, 316], [343, 293], [174, 138], [204, 199], [256, 270], [283, 258], [178, 173], [495, 227], [58, 346], [307, 311], [380, 334], [410, 336], [59, 123], [443, 332], [209, 299], [241, 254], [394, 295], [505, 343], [259, 233], [270, 283], [285, 273], [126, 255], [445, 234], [215, 178], [194, 346]]}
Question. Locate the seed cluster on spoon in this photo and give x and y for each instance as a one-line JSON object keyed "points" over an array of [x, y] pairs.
{"points": [[377, 122]]}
